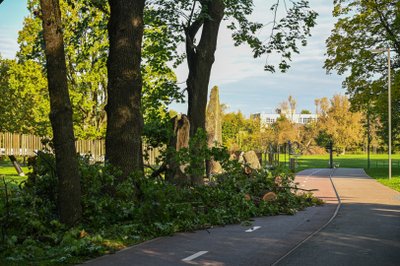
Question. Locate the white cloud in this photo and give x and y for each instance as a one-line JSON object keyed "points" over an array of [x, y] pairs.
{"points": [[8, 42], [243, 82]]}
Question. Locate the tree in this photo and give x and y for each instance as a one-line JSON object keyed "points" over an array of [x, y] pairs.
{"points": [[86, 53], [239, 133], [284, 131], [86, 47], [342, 126], [322, 106], [283, 108], [69, 188], [203, 18], [125, 120], [305, 112], [24, 105], [361, 27], [232, 123], [308, 133], [292, 103]]}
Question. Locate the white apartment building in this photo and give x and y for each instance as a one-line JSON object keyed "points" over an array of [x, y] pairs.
{"points": [[268, 119]]}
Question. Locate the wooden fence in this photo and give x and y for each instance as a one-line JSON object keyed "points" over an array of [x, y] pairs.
{"points": [[28, 145]]}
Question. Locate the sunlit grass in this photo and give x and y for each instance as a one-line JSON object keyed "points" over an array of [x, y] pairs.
{"points": [[9, 173], [378, 165]]}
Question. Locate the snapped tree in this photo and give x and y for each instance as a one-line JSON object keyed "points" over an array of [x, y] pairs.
{"points": [[202, 19]]}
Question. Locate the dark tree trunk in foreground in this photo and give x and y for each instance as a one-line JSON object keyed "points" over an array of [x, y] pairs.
{"points": [[124, 118], [69, 188], [200, 60]]}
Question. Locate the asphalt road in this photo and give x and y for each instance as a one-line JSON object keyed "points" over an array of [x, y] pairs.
{"points": [[366, 231]]}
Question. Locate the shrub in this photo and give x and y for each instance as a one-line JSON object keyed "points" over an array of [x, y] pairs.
{"points": [[113, 215]]}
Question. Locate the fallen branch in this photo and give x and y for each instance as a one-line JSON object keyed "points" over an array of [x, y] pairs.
{"points": [[157, 172]]}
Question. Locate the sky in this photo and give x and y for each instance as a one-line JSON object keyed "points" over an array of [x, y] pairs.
{"points": [[242, 81]]}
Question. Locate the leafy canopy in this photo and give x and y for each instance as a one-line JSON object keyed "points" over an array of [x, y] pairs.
{"points": [[288, 28], [361, 27], [86, 45]]}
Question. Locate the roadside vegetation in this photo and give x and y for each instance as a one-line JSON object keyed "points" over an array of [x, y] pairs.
{"points": [[112, 219], [96, 83]]}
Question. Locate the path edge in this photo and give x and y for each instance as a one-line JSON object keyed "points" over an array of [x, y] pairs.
{"points": [[318, 230]]}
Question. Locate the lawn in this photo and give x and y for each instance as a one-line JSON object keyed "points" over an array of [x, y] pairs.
{"points": [[8, 171], [378, 165]]}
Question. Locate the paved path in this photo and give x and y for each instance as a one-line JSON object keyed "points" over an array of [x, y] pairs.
{"points": [[366, 230]]}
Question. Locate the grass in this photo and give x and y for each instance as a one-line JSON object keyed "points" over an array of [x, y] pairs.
{"points": [[378, 165], [8, 171]]}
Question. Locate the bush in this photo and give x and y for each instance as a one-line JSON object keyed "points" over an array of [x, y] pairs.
{"points": [[114, 217]]}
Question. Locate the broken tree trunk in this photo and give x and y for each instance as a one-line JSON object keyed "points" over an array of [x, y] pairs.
{"points": [[214, 129], [175, 172], [16, 165]]}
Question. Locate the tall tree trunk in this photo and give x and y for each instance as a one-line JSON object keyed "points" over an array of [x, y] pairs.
{"points": [[124, 118], [200, 60], [69, 188]]}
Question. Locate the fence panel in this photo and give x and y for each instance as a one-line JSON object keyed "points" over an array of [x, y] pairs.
{"points": [[27, 145]]}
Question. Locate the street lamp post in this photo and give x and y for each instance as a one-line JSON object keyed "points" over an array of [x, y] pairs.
{"points": [[389, 107]]}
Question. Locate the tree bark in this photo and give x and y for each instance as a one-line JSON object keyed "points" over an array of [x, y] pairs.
{"points": [[200, 60], [124, 117], [69, 188], [175, 172]]}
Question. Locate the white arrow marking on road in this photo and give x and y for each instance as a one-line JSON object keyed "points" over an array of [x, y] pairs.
{"points": [[195, 255], [254, 228]]}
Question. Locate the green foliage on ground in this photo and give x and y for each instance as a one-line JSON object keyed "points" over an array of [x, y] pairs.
{"points": [[378, 165], [113, 219]]}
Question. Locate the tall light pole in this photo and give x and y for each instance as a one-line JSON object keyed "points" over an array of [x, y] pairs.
{"points": [[389, 107]]}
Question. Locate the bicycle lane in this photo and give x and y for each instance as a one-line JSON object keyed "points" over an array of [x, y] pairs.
{"points": [[366, 230], [263, 243]]}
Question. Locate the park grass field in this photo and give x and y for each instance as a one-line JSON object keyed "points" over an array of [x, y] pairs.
{"points": [[378, 165], [10, 174]]}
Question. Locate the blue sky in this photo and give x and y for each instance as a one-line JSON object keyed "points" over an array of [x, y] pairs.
{"points": [[12, 13], [243, 83]]}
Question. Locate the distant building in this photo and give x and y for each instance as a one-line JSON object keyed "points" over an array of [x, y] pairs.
{"points": [[268, 119]]}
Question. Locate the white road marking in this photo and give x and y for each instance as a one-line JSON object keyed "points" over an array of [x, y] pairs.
{"points": [[254, 228], [195, 255]]}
